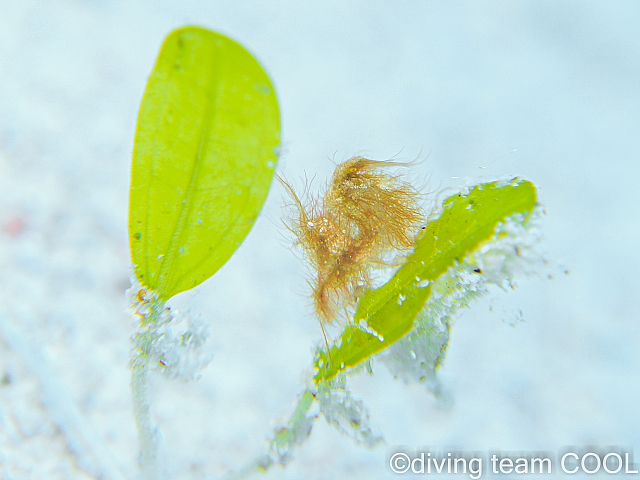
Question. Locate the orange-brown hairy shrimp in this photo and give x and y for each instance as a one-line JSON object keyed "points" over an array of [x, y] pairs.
{"points": [[366, 216]]}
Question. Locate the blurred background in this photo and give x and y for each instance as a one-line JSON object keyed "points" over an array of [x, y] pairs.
{"points": [[545, 90]]}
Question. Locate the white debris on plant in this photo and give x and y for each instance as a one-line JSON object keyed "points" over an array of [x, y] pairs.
{"points": [[297, 430], [158, 341], [339, 407], [514, 250], [346, 412]]}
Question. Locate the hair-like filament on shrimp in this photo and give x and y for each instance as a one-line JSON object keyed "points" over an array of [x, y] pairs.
{"points": [[366, 217]]}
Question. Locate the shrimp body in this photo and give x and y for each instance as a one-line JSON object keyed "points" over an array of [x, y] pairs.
{"points": [[366, 215]]}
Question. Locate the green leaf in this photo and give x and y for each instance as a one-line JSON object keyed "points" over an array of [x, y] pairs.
{"points": [[467, 221], [203, 160]]}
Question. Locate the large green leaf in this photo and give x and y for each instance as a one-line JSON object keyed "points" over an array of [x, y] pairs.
{"points": [[203, 160], [466, 222]]}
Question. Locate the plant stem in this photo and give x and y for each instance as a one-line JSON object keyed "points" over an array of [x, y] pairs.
{"points": [[147, 307], [147, 432]]}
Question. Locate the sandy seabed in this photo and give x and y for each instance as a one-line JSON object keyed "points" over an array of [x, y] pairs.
{"points": [[544, 90]]}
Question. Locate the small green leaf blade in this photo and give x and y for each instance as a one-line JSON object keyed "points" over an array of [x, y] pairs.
{"points": [[203, 160], [466, 222]]}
